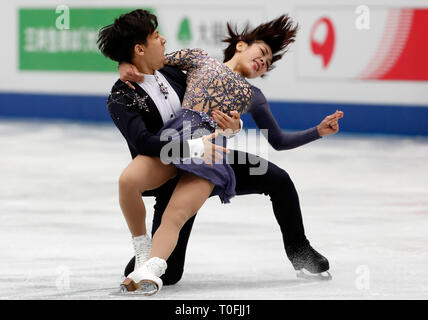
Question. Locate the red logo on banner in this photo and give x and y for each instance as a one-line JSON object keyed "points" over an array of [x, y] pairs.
{"points": [[403, 50], [324, 49]]}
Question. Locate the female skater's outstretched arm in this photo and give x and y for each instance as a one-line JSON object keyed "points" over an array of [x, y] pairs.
{"points": [[282, 140]]}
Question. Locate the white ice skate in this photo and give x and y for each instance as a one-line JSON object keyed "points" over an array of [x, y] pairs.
{"points": [[146, 279]]}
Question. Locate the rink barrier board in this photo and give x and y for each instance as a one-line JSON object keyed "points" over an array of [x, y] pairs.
{"points": [[292, 115]]}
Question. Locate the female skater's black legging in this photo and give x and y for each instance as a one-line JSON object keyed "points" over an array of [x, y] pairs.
{"points": [[275, 182]]}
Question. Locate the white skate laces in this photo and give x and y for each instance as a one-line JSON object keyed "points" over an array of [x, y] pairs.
{"points": [[142, 247], [156, 266]]}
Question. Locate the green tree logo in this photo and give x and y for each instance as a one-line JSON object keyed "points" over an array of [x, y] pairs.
{"points": [[184, 34]]}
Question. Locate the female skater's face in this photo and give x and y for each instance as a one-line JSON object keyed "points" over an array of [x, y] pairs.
{"points": [[254, 60]]}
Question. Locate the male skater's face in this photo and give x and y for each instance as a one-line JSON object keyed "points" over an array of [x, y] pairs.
{"points": [[154, 51]]}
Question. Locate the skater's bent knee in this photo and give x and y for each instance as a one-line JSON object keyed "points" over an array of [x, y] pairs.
{"points": [[129, 182], [280, 176], [126, 181], [284, 175], [278, 181]]}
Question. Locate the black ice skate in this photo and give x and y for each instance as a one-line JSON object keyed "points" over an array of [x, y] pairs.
{"points": [[308, 263]]}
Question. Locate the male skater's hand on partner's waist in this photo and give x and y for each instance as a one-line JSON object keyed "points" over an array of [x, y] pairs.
{"points": [[212, 152]]}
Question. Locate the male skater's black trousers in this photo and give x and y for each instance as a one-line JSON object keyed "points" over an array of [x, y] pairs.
{"points": [[275, 182]]}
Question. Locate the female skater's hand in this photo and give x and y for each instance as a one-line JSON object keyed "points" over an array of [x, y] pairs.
{"points": [[228, 125], [212, 152], [330, 124], [129, 72]]}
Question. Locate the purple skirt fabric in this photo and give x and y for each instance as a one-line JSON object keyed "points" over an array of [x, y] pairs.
{"points": [[220, 173]]}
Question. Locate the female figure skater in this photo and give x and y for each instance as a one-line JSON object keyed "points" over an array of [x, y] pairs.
{"points": [[210, 85]]}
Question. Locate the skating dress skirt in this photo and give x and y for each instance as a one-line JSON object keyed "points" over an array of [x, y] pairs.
{"points": [[221, 174]]}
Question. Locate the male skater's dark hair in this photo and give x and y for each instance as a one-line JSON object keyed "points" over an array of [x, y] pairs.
{"points": [[117, 41], [277, 34]]}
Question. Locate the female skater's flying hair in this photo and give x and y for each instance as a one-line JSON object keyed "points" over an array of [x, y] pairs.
{"points": [[277, 34]]}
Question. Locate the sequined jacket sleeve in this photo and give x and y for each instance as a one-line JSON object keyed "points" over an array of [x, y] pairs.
{"points": [[186, 59], [280, 140], [129, 121]]}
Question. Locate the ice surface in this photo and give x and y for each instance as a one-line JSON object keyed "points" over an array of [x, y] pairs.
{"points": [[62, 235]]}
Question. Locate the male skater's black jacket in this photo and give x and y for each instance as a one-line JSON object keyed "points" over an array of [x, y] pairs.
{"points": [[138, 118]]}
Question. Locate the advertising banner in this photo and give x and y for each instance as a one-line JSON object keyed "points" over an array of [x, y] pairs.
{"points": [[362, 43], [66, 39]]}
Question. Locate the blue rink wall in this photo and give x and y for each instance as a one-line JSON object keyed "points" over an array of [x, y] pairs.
{"points": [[293, 115]]}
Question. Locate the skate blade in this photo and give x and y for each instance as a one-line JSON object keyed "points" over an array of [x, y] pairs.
{"points": [[146, 288], [305, 274], [128, 285]]}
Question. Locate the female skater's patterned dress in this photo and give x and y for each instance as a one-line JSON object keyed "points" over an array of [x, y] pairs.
{"points": [[210, 85]]}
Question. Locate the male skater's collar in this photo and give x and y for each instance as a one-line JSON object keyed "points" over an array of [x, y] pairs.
{"points": [[150, 77], [159, 79]]}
